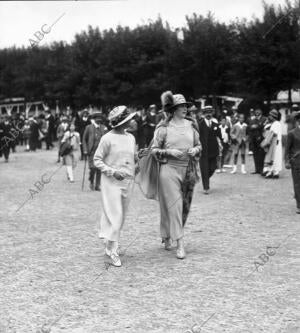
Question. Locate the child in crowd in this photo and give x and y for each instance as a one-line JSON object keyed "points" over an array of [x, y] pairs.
{"points": [[239, 138], [225, 135], [71, 158]]}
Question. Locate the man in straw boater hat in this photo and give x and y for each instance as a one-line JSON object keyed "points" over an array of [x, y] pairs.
{"points": [[115, 157], [210, 137], [292, 157], [90, 141]]}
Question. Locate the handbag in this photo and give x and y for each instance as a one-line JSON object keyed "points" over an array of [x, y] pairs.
{"points": [[66, 147], [148, 176]]}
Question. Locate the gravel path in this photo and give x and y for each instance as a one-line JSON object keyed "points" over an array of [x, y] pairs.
{"points": [[53, 275]]}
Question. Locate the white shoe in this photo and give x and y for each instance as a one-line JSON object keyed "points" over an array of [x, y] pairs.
{"points": [[180, 252], [114, 258], [223, 170], [243, 169], [233, 170], [218, 171]]}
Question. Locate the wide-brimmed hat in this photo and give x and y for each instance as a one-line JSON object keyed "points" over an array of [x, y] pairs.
{"points": [[170, 102], [274, 113], [120, 115]]}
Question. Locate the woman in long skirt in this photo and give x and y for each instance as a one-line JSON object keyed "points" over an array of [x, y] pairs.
{"points": [[176, 143], [70, 159], [275, 148], [115, 157]]}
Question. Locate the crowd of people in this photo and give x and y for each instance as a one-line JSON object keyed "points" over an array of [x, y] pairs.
{"points": [[170, 150]]}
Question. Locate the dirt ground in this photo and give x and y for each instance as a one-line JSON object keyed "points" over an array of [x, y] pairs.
{"points": [[53, 276]]}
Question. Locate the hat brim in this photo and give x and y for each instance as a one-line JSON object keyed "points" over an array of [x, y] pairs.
{"points": [[96, 115], [179, 104], [129, 117], [207, 111]]}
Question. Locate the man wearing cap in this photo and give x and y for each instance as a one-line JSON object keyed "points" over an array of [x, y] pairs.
{"points": [[6, 137], [256, 128], [290, 119], [151, 122], [210, 137], [49, 135], [292, 158], [90, 141]]}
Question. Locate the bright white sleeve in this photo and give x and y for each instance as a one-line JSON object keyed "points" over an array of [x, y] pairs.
{"points": [[100, 154], [275, 128], [65, 137]]}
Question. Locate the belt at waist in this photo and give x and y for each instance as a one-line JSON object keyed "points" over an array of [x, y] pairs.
{"points": [[178, 162]]}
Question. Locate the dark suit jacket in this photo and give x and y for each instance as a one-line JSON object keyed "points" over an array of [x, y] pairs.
{"points": [[208, 138], [293, 144], [89, 140], [256, 128]]}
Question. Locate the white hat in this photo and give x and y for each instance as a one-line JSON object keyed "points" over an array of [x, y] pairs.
{"points": [[119, 116]]}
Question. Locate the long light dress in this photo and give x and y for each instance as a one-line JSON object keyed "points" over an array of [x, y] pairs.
{"points": [[277, 157], [115, 152]]}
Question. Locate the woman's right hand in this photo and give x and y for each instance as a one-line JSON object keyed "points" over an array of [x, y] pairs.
{"points": [[175, 153], [119, 175]]}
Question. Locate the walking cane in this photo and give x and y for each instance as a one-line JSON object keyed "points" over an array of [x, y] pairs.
{"points": [[85, 160]]}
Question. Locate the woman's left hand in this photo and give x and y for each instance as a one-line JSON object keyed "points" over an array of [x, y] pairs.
{"points": [[192, 152]]}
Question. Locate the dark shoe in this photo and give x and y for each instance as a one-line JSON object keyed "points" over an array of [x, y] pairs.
{"points": [[254, 173], [269, 175], [97, 188], [92, 187], [275, 176], [206, 191], [298, 211], [168, 244]]}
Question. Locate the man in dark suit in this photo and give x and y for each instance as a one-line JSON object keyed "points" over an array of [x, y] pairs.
{"points": [[292, 157], [256, 127], [7, 137], [90, 142], [49, 135], [150, 124], [210, 137], [34, 134]]}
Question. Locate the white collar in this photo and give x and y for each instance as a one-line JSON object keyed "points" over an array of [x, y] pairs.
{"points": [[94, 123]]}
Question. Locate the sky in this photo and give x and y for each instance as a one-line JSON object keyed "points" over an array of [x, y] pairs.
{"points": [[20, 20]]}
